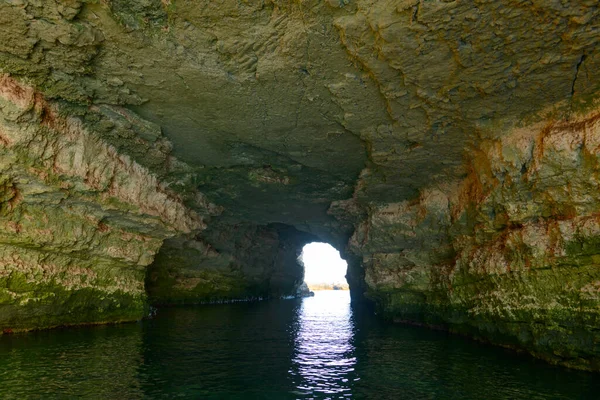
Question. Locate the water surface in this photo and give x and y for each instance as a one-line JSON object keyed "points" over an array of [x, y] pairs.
{"points": [[318, 347]]}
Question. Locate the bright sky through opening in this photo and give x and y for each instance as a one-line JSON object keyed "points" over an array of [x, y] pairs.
{"points": [[323, 264]]}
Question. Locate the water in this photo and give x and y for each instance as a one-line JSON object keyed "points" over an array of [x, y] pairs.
{"points": [[317, 347]]}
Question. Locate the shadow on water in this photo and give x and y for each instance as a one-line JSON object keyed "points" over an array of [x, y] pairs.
{"points": [[317, 347], [100, 362]]}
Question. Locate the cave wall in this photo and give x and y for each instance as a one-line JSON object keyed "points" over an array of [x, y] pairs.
{"points": [[183, 151], [91, 236], [509, 254], [79, 221], [229, 263]]}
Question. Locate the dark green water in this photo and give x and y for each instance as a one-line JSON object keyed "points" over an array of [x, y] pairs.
{"points": [[318, 347]]}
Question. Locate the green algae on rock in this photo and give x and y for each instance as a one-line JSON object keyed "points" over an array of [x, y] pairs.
{"points": [[508, 255], [79, 221]]}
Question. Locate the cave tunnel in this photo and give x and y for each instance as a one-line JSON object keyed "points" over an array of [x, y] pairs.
{"points": [[246, 262], [183, 152]]}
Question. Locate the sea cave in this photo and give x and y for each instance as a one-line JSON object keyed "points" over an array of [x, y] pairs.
{"points": [[159, 157]]}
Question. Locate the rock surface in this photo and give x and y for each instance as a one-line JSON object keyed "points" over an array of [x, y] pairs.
{"points": [[183, 151]]}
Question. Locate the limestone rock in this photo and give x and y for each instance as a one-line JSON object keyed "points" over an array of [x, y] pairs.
{"points": [[186, 150]]}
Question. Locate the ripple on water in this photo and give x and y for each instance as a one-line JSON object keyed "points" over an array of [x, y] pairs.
{"points": [[324, 354]]}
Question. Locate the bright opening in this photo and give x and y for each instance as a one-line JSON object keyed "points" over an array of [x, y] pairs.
{"points": [[324, 269]]}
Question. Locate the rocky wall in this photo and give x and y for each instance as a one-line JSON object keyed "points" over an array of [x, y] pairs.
{"points": [[229, 263], [507, 255], [186, 149], [79, 222]]}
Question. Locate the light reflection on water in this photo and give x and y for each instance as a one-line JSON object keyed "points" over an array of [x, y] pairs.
{"points": [[324, 361]]}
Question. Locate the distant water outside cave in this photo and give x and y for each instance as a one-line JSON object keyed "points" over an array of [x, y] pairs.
{"points": [[324, 268]]}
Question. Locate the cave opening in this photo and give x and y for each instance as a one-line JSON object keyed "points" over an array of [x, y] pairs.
{"points": [[324, 268]]}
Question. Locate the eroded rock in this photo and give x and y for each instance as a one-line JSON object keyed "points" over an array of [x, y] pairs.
{"points": [[188, 149]]}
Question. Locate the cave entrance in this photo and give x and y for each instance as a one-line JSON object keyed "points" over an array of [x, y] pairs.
{"points": [[324, 268]]}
